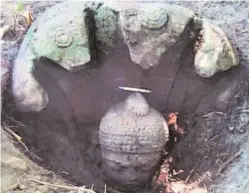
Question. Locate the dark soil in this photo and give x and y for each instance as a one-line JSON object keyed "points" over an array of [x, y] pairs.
{"points": [[65, 134]]}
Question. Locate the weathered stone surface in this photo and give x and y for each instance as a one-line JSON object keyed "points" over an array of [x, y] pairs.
{"points": [[64, 40], [214, 52], [150, 31], [153, 18], [106, 26], [132, 136], [28, 94]]}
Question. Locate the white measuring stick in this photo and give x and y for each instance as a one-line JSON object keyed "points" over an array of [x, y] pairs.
{"points": [[134, 89]]}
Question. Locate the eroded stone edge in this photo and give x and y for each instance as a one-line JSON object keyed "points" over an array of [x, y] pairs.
{"points": [[214, 51], [32, 96]]}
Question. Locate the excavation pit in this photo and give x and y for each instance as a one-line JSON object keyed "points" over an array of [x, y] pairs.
{"points": [[64, 135]]}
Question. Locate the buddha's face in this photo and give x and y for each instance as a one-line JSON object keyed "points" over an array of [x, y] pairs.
{"points": [[130, 171]]}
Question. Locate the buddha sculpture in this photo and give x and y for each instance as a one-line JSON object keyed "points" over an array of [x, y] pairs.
{"points": [[132, 137]]}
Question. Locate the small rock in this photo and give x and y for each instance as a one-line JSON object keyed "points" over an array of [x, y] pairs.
{"points": [[231, 128], [216, 52], [22, 187]]}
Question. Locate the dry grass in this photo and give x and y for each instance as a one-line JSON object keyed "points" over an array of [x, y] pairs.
{"points": [[81, 189], [236, 178]]}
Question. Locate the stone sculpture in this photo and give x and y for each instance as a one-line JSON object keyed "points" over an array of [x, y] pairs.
{"points": [[132, 137], [214, 52], [151, 30], [61, 34]]}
